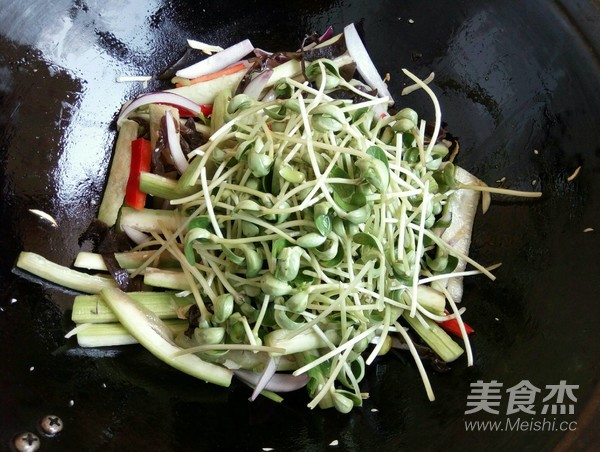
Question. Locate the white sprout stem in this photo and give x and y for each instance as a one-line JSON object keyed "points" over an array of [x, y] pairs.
{"points": [[382, 336], [410, 88], [436, 107], [192, 273], [502, 191], [443, 276], [317, 99], [78, 329], [261, 315], [320, 181], [418, 362], [420, 143], [207, 201], [342, 295], [368, 103], [419, 251], [336, 351], [457, 253], [217, 181], [304, 87], [332, 377], [347, 367], [211, 347], [248, 331], [264, 224], [461, 325], [221, 277]]}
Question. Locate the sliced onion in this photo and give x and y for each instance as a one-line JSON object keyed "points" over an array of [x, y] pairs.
{"points": [[269, 96], [137, 237], [218, 61], [409, 89], [179, 158], [363, 61], [266, 376], [278, 382], [261, 53], [258, 83], [158, 98], [328, 34]]}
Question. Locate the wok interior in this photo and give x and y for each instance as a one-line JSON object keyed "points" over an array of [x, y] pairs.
{"points": [[511, 80]]}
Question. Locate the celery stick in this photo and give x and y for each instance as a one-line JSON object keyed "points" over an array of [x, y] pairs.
{"points": [[184, 183], [129, 260], [63, 276], [302, 342], [91, 308], [150, 220], [157, 338], [431, 299], [219, 111], [435, 337], [114, 193], [166, 279], [111, 334], [289, 69], [90, 261], [162, 187]]}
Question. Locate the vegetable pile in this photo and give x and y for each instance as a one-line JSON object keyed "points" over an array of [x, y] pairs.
{"points": [[288, 228]]}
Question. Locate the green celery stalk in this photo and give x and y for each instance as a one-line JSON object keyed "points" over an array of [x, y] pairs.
{"points": [[61, 275], [157, 338], [112, 334], [162, 187], [435, 337], [129, 260], [150, 220], [114, 194], [307, 340], [167, 279], [184, 184], [92, 309]]}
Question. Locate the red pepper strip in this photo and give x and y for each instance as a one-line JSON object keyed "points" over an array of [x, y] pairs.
{"points": [[141, 156], [451, 326], [185, 113], [206, 110]]}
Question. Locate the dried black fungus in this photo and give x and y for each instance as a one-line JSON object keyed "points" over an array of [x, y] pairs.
{"points": [[347, 71], [331, 51], [427, 355], [189, 57], [144, 127], [345, 93], [193, 316], [189, 139], [108, 241], [190, 135], [162, 162]]}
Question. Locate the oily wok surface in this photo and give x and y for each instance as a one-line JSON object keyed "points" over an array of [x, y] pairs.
{"points": [[518, 83]]}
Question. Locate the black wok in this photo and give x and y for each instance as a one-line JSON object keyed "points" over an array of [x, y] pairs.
{"points": [[519, 83]]}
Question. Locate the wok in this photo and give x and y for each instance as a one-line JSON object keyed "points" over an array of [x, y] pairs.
{"points": [[519, 83]]}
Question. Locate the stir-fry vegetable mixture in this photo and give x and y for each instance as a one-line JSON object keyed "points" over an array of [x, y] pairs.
{"points": [[289, 226]]}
